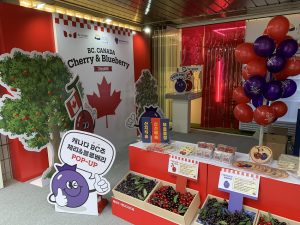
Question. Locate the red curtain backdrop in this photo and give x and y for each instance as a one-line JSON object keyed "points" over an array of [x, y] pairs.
{"points": [[213, 46]]}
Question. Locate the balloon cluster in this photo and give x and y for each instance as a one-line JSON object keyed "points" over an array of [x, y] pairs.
{"points": [[269, 61]]}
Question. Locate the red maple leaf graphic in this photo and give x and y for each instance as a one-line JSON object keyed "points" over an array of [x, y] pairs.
{"points": [[105, 103]]}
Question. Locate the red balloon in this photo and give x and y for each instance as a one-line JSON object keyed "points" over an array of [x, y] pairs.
{"points": [[264, 115], [243, 113], [292, 67], [239, 95], [280, 108], [244, 53], [257, 66], [278, 27], [280, 76]]}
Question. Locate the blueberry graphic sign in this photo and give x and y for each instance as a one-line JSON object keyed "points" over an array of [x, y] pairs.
{"points": [[85, 158], [239, 185]]}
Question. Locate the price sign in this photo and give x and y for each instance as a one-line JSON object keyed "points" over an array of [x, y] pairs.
{"points": [[243, 183], [183, 166]]}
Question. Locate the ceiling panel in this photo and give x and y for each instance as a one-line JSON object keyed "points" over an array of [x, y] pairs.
{"points": [[176, 12]]}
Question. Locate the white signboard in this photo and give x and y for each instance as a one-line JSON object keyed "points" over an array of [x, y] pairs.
{"points": [[85, 158], [239, 182], [183, 166], [102, 56]]}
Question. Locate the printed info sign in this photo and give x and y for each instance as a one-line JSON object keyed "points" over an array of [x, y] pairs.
{"points": [[85, 159], [102, 56], [243, 183], [183, 166]]}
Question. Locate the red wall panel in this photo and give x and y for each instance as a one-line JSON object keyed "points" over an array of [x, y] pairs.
{"points": [[141, 53], [29, 30]]}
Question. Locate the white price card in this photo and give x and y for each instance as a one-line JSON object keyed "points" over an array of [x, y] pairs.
{"points": [[183, 166], [239, 182]]}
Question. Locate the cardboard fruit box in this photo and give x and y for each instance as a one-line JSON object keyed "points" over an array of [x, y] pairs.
{"points": [[247, 208], [174, 217], [129, 199], [279, 218]]}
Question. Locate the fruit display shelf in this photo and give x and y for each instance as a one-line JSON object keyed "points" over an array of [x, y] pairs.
{"points": [[155, 164], [133, 188], [277, 220], [175, 217], [214, 211]]}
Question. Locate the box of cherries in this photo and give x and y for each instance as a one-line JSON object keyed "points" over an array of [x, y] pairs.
{"points": [[174, 206], [265, 218], [134, 188], [215, 212]]}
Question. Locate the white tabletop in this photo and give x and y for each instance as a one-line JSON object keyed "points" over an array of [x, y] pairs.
{"points": [[293, 179]]}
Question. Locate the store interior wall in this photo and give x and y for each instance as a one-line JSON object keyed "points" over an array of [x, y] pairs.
{"points": [[30, 30]]}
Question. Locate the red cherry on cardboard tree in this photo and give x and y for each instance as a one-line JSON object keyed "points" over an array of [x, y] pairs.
{"points": [[239, 95], [243, 113], [280, 108], [264, 115]]}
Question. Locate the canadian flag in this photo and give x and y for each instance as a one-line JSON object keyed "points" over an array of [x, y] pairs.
{"points": [[73, 104]]}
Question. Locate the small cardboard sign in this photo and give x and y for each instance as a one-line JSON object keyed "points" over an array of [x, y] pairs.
{"points": [[183, 166], [243, 183], [85, 159], [155, 130], [239, 185]]}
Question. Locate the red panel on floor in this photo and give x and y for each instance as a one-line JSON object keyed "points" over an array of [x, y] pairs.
{"points": [[27, 165]]}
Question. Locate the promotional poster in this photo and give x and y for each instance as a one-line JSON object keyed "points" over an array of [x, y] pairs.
{"points": [[103, 61]]}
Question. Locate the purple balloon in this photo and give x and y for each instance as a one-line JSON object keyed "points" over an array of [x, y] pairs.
{"points": [[273, 90], [258, 101], [264, 46], [254, 86], [287, 48], [289, 87], [275, 63]]}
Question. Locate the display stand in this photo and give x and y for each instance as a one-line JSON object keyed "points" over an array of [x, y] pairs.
{"points": [[181, 110], [276, 196]]}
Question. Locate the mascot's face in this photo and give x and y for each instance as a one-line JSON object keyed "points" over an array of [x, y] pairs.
{"points": [[72, 184]]}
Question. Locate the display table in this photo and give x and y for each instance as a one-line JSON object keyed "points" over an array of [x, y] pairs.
{"points": [[279, 197], [181, 110]]}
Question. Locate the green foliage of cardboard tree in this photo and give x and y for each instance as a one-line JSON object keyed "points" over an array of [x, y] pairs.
{"points": [[39, 112], [146, 91]]}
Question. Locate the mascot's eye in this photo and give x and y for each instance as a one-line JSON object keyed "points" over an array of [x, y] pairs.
{"points": [[72, 184]]}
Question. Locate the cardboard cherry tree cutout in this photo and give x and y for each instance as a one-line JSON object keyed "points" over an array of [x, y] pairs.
{"points": [[33, 109], [105, 103], [146, 101], [85, 159]]}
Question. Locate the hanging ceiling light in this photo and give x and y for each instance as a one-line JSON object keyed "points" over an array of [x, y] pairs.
{"points": [[148, 7], [147, 30]]}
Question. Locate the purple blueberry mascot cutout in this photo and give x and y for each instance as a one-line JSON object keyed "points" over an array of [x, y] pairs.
{"points": [[77, 182]]}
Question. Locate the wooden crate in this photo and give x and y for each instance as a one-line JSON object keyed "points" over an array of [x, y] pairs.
{"points": [[281, 219], [129, 199], [247, 208], [173, 217]]}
